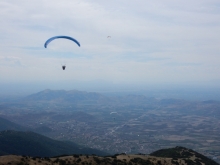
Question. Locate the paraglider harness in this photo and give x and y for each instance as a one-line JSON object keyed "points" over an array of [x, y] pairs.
{"points": [[64, 67]]}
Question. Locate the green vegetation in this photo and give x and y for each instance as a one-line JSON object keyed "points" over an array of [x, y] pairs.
{"points": [[141, 161], [183, 153], [177, 152]]}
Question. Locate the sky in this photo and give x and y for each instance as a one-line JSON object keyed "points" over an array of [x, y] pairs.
{"points": [[160, 42]]}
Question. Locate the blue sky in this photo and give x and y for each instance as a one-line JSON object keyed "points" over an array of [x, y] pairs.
{"points": [[152, 42]]}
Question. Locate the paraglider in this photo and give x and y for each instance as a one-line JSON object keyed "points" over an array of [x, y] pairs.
{"points": [[64, 37], [114, 114]]}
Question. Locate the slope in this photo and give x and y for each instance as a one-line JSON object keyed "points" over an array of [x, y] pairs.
{"points": [[33, 144]]}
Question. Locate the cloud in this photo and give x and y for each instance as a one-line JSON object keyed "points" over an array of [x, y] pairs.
{"points": [[156, 40]]}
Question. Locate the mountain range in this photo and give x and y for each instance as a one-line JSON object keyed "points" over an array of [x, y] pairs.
{"points": [[67, 96], [83, 96]]}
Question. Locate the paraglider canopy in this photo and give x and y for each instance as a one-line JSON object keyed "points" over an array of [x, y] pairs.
{"points": [[64, 37], [113, 113]]}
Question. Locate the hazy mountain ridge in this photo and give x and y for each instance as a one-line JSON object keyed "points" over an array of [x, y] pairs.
{"points": [[8, 125], [33, 144], [68, 96], [75, 95], [176, 156], [82, 98]]}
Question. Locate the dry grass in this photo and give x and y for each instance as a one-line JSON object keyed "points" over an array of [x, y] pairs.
{"points": [[92, 160]]}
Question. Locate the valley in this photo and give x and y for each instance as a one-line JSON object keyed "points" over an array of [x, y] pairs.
{"points": [[136, 126]]}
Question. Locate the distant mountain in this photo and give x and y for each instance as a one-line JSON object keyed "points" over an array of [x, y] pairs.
{"points": [[8, 125], [190, 158], [33, 144], [75, 96], [68, 96]]}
